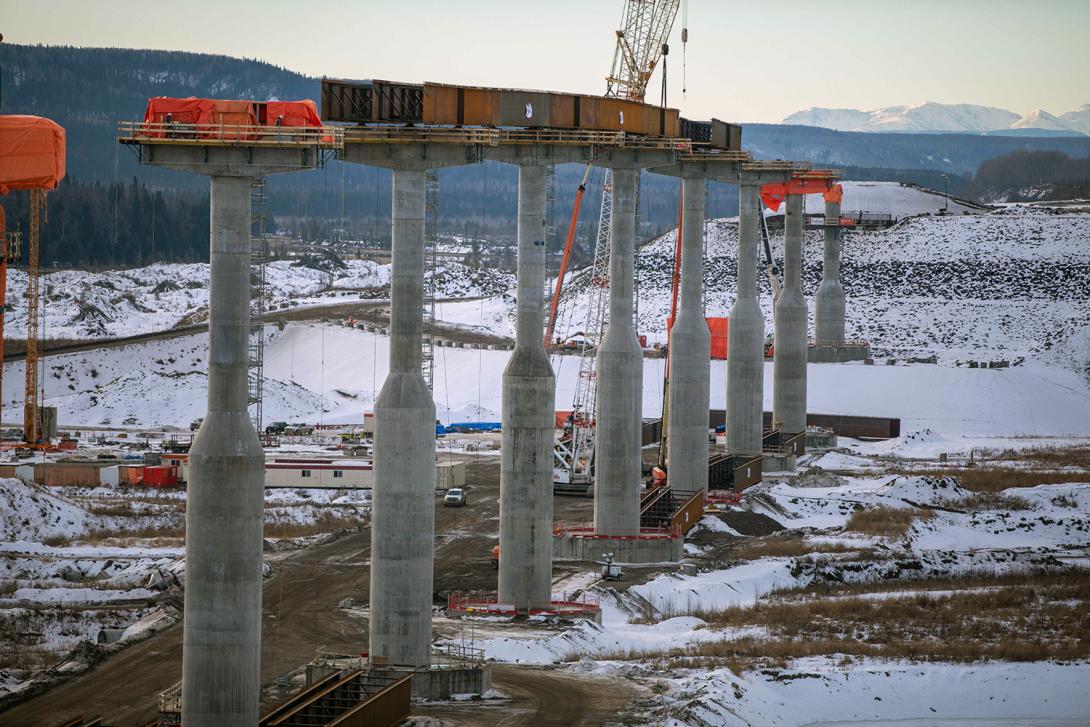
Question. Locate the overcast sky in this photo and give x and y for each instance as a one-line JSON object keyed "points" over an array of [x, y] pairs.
{"points": [[747, 61]]}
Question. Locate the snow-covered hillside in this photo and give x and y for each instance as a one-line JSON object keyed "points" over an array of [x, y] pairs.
{"points": [[932, 116], [79, 304], [1001, 285]]}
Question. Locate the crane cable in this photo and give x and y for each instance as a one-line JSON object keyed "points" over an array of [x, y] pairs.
{"points": [[684, 46]]}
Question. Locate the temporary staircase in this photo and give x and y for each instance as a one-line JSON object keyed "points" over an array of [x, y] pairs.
{"points": [[376, 698]]}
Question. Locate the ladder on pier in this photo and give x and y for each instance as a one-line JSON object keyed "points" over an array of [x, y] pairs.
{"points": [[259, 257], [431, 244]]}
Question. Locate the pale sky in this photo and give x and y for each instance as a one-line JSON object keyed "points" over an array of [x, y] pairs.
{"points": [[747, 61]]}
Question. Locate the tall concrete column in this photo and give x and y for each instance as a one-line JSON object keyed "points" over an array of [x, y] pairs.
{"points": [[829, 299], [526, 472], [690, 353], [745, 335], [620, 378], [225, 499], [789, 369], [403, 508]]}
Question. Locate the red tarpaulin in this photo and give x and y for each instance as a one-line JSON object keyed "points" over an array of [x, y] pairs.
{"points": [[292, 113], [31, 153], [718, 328]]}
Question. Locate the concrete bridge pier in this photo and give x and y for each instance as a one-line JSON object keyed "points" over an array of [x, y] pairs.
{"points": [[221, 652], [620, 377], [403, 505], [529, 386], [789, 368], [746, 334], [690, 352], [829, 299]]}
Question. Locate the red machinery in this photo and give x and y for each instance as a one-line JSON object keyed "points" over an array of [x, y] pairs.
{"points": [[815, 182], [32, 157]]}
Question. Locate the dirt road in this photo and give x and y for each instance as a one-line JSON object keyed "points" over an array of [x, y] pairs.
{"points": [[301, 614]]}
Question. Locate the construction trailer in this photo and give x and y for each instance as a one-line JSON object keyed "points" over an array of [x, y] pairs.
{"points": [[343, 473]]}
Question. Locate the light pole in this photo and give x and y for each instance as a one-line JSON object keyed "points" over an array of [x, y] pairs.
{"points": [[946, 195]]}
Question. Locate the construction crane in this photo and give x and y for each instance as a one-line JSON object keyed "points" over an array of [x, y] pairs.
{"points": [[32, 157], [640, 45]]}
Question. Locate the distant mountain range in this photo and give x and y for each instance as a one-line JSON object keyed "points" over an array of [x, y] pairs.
{"points": [[959, 118]]}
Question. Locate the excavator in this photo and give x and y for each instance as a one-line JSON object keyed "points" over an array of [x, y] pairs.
{"points": [[32, 158]]}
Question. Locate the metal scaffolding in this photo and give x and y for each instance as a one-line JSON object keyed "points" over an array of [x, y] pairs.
{"points": [[431, 243], [259, 254]]}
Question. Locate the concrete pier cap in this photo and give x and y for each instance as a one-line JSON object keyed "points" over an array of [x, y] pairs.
{"points": [[225, 497]]}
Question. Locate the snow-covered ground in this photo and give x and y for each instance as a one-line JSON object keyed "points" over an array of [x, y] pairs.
{"points": [[331, 374], [77, 563], [645, 626], [81, 305], [979, 287]]}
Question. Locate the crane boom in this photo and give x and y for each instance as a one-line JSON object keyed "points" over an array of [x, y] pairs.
{"points": [[645, 28], [641, 41]]}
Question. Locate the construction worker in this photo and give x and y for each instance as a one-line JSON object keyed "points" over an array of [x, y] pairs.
{"points": [[495, 557], [658, 477]]}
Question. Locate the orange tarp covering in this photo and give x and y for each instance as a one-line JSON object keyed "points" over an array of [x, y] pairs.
{"points": [[31, 153], [292, 113], [718, 328], [181, 110]]}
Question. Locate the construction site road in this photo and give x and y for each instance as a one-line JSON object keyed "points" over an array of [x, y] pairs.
{"points": [[375, 312], [302, 613]]}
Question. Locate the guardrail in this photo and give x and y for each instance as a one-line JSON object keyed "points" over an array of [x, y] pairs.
{"points": [[487, 136], [587, 530], [146, 132]]}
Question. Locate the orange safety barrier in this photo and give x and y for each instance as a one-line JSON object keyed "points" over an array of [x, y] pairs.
{"points": [[31, 153]]}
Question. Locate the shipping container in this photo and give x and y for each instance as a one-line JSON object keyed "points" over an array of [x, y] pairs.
{"points": [[159, 476]]}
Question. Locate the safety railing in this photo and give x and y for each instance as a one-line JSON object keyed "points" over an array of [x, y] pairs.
{"points": [[147, 132], [489, 605], [587, 530], [487, 136], [716, 155]]}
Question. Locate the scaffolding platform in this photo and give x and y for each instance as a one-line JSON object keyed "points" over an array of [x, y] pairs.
{"points": [[563, 605]]}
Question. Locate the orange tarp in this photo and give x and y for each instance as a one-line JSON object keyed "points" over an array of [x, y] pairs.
{"points": [[218, 113], [718, 328], [292, 113], [31, 153]]}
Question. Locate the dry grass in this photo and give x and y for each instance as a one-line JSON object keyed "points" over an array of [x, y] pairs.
{"points": [[326, 522], [791, 547], [1076, 457], [984, 501], [994, 479], [1017, 618], [885, 521], [129, 535]]}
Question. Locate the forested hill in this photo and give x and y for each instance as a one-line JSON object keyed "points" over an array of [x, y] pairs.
{"points": [[88, 90]]}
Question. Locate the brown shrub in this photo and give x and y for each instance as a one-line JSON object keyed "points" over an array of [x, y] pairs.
{"points": [[994, 479], [789, 547], [885, 521]]}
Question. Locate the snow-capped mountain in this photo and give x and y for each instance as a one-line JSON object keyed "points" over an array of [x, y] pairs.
{"points": [[1041, 119], [1079, 118], [930, 117]]}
